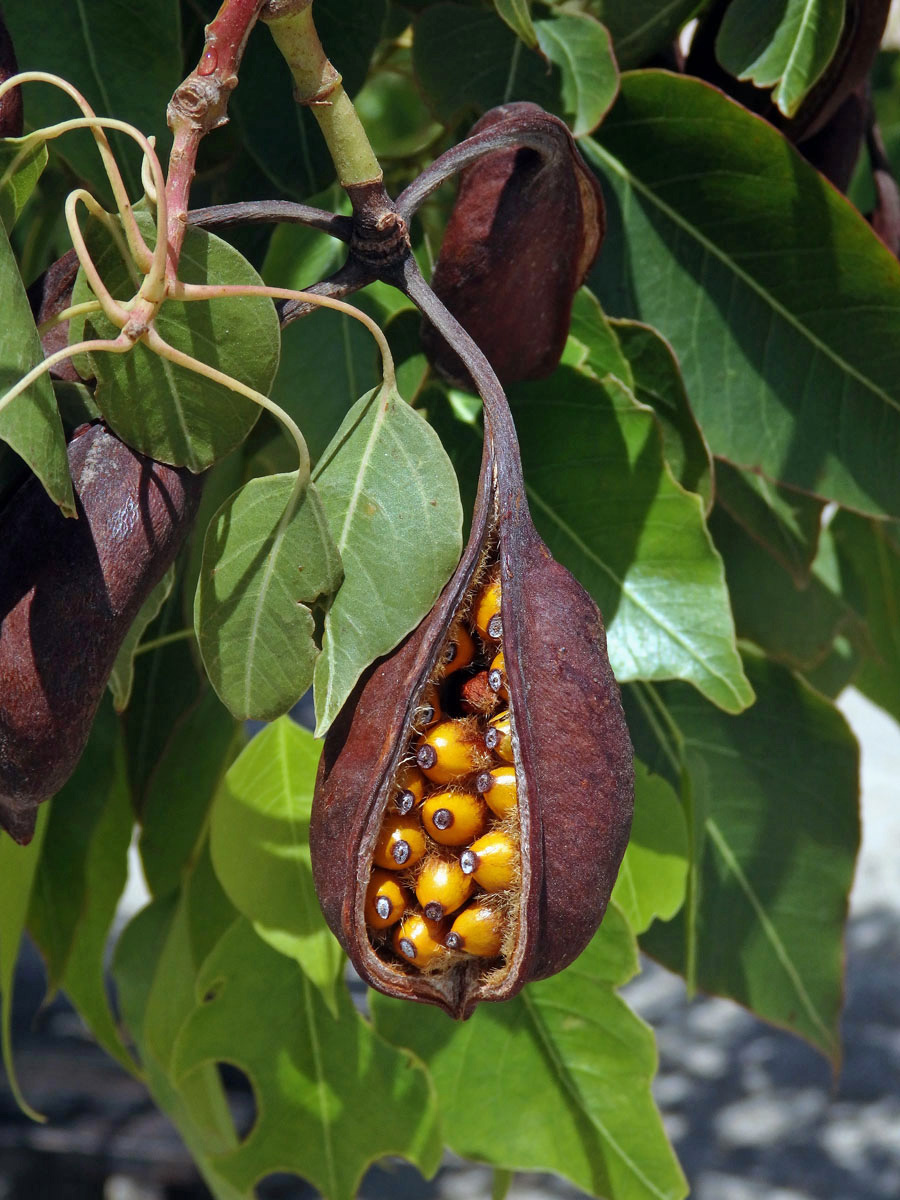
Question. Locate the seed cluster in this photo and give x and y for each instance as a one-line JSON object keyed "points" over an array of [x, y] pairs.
{"points": [[446, 862]]}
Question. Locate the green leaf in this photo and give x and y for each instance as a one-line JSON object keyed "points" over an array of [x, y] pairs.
{"points": [[165, 410], [785, 44], [581, 48], [658, 383], [517, 15], [468, 60], [18, 865], [259, 839], [795, 625], [20, 169], [121, 680], [641, 28], [785, 522], [81, 877], [781, 304], [653, 875], [568, 1052], [607, 507], [80, 43], [390, 494], [869, 558], [266, 559], [204, 742], [354, 1097], [775, 833], [30, 424]]}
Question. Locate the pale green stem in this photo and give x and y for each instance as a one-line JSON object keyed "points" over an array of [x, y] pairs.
{"points": [[180, 635], [111, 307], [201, 291], [114, 345], [123, 204], [161, 347], [318, 85], [74, 310]]}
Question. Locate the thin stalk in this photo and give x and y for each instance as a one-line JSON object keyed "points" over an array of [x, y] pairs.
{"points": [[114, 345]]}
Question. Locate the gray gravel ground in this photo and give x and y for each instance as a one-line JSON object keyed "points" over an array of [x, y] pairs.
{"points": [[753, 1112]]}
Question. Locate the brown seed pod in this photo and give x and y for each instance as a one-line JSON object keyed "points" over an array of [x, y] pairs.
{"points": [[572, 755], [523, 234], [69, 590], [11, 118]]}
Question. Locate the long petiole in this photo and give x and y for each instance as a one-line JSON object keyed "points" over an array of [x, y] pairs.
{"points": [[74, 310], [161, 347], [120, 194], [202, 291], [114, 345], [113, 310]]}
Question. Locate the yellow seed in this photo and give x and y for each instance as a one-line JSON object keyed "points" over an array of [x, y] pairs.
{"points": [[491, 861], [418, 940], [401, 843], [454, 818], [497, 676], [460, 649], [486, 612], [410, 788], [442, 886], [497, 736], [450, 750], [477, 930], [498, 787], [429, 711], [386, 900]]}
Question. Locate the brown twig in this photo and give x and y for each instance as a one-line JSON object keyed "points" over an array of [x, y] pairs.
{"points": [[199, 105]]}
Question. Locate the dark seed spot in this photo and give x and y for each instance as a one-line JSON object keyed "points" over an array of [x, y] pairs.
{"points": [[427, 757], [492, 738], [495, 680], [400, 852], [405, 802], [450, 652], [453, 942], [383, 907], [426, 714], [443, 818], [434, 911], [468, 861], [407, 948], [495, 626], [484, 782]]}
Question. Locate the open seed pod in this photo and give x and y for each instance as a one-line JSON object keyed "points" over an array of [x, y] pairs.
{"points": [[523, 234], [69, 590], [543, 866]]}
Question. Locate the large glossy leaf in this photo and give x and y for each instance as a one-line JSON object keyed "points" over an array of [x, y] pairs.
{"points": [[869, 558], [259, 838], [570, 1059], [331, 1095], [641, 28], [580, 47], [165, 410], [784, 521], [390, 494], [81, 877], [785, 46], [18, 865], [266, 559], [652, 878], [203, 744], [782, 305], [609, 509], [80, 43], [773, 794], [30, 424]]}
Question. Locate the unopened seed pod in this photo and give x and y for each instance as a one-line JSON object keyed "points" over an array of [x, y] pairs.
{"points": [[69, 591]]}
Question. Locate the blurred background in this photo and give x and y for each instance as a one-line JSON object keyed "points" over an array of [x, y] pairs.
{"points": [[754, 1113]]}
